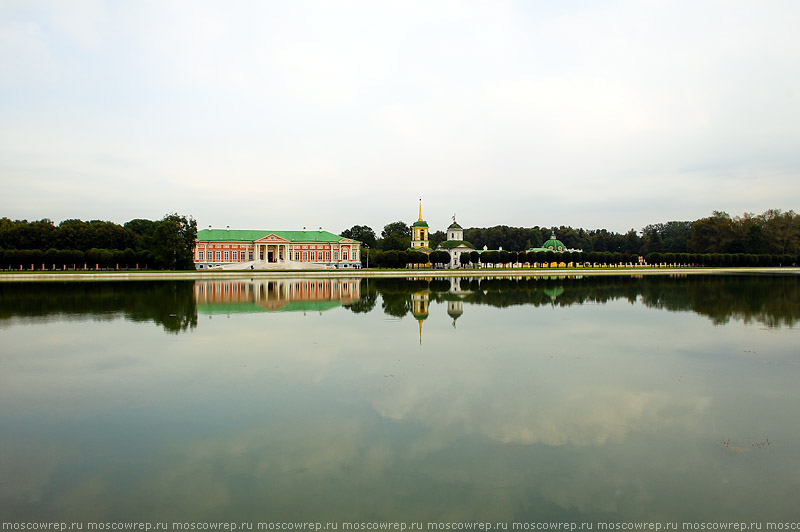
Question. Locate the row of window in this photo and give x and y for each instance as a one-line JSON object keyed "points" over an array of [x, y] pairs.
{"points": [[237, 256], [243, 288], [218, 256], [314, 256]]}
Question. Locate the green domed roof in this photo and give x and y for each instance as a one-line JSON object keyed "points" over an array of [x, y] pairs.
{"points": [[454, 225], [420, 223], [554, 244], [447, 244]]}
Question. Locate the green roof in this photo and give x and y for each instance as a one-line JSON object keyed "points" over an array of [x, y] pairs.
{"points": [[455, 243], [247, 235], [420, 223], [250, 307], [454, 225], [554, 244]]}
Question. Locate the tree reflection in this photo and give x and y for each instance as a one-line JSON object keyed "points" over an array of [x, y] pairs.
{"points": [[773, 300], [170, 304]]}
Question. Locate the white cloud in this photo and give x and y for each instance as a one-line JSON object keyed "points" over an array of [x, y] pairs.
{"points": [[582, 113]]}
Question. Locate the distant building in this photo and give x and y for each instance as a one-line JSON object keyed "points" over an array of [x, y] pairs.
{"points": [[236, 249], [554, 244], [455, 244], [419, 234]]}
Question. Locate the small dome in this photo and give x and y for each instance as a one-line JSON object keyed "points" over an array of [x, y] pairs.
{"points": [[454, 311], [554, 244], [454, 225]]}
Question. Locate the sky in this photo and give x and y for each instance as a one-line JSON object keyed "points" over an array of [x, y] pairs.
{"points": [[289, 114]]}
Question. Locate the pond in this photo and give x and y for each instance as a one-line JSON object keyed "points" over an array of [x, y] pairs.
{"points": [[506, 400]]}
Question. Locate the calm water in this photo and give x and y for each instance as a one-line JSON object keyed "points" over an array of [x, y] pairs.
{"points": [[581, 400]]}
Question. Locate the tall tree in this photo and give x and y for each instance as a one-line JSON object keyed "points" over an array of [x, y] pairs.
{"points": [[782, 230], [363, 234], [395, 236], [714, 234], [174, 239], [437, 238]]}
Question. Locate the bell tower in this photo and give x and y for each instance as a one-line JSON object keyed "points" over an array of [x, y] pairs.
{"points": [[419, 231]]}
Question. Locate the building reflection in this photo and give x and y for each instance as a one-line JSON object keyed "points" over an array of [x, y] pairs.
{"points": [[455, 291], [420, 308], [275, 295]]}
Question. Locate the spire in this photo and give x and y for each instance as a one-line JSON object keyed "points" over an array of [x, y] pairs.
{"points": [[420, 210]]}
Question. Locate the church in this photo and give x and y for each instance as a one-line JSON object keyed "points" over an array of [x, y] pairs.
{"points": [[455, 244]]}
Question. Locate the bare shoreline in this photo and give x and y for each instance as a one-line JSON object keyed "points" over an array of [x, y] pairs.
{"points": [[371, 274]]}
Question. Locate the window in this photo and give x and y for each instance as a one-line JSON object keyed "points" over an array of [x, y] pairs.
{"points": [[199, 255], [335, 255], [344, 255], [235, 255], [313, 255], [305, 256], [218, 254], [226, 256], [250, 255], [296, 255], [328, 256]]}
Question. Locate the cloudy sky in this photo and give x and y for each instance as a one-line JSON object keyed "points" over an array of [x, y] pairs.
{"points": [[285, 114]]}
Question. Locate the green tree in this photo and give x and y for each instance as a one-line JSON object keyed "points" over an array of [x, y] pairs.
{"points": [[363, 234], [714, 234], [653, 241], [782, 231], [143, 231], [417, 257], [173, 242], [439, 258], [436, 238], [395, 236]]}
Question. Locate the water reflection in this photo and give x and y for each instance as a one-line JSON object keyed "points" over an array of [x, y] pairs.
{"points": [[593, 399], [285, 295], [171, 305], [174, 305], [771, 300]]}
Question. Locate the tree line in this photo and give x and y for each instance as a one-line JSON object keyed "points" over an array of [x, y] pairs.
{"points": [[508, 259], [771, 238], [774, 232], [167, 243]]}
